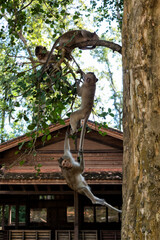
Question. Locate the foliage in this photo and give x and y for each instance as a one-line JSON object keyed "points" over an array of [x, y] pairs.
{"points": [[25, 102]]}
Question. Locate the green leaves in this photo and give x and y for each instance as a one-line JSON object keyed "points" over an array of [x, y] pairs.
{"points": [[105, 114], [31, 127], [38, 169], [30, 101]]}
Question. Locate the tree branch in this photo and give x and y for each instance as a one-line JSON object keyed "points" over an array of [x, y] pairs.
{"points": [[28, 49], [102, 43], [26, 6]]}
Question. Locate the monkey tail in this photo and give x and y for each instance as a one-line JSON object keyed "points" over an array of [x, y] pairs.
{"points": [[104, 203], [96, 200], [49, 55], [110, 206]]}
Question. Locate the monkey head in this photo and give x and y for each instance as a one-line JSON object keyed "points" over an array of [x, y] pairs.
{"points": [[41, 52], [95, 36], [66, 164], [90, 78], [60, 160]]}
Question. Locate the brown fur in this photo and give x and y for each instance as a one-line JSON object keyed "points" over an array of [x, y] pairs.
{"points": [[68, 40], [87, 92], [42, 54], [73, 37], [73, 175], [52, 69]]}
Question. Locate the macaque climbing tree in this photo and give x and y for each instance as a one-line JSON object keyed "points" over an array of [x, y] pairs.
{"points": [[141, 165]]}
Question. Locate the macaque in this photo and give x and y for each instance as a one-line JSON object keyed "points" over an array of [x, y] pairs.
{"points": [[87, 92], [72, 172], [67, 42], [71, 38], [52, 69], [42, 54]]}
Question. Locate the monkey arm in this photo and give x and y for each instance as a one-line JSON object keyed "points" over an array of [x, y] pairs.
{"points": [[79, 89], [66, 143], [49, 55]]}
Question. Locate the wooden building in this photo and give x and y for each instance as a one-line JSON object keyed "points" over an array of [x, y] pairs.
{"points": [[40, 206]]}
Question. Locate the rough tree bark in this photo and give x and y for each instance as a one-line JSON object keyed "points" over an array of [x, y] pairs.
{"points": [[141, 73]]}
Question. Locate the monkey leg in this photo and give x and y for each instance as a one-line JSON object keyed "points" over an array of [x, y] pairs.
{"points": [[81, 143], [75, 118], [95, 200]]}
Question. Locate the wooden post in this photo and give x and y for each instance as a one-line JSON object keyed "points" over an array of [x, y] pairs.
{"points": [[76, 220], [3, 217], [17, 217]]}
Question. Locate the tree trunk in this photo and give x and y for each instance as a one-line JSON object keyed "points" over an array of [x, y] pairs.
{"points": [[141, 166]]}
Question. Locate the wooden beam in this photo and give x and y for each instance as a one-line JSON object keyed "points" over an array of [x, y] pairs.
{"points": [[34, 193], [116, 192], [17, 217], [36, 188], [76, 220], [3, 217], [23, 188]]}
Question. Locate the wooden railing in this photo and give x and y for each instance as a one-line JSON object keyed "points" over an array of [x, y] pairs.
{"points": [[110, 235], [69, 235], [29, 235], [3, 235], [63, 235]]}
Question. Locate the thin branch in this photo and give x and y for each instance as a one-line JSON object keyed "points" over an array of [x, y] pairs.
{"points": [[18, 56], [70, 68], [25, 6], [28, 49], [31, 68], [31, 63]]}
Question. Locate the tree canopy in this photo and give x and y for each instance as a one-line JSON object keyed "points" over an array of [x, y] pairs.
{"points": [[25, 102]]}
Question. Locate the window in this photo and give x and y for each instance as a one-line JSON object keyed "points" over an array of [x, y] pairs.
{"points": [[70, 214], [46, 197], [38, 215], [12, 215], [1, 211], [22, 214], [88, 214], [113, 216], [6, 214], [100, 214]]}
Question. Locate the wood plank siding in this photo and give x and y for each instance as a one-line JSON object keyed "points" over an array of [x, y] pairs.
{"points": [[42, 206]]}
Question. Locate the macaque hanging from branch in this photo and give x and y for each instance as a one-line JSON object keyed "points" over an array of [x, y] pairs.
{"points": [[86, 92], [72, 172]]}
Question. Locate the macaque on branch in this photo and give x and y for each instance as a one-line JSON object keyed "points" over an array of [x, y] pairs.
{"points": [[42, 53], [72, 172], [67, 41], [52, 69]]}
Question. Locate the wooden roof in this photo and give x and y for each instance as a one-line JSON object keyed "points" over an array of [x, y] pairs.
{"points": [[102, 154], [14, 142]]}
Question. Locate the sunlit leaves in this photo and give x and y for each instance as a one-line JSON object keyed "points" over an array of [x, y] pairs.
{"points": [[30, 101]]}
